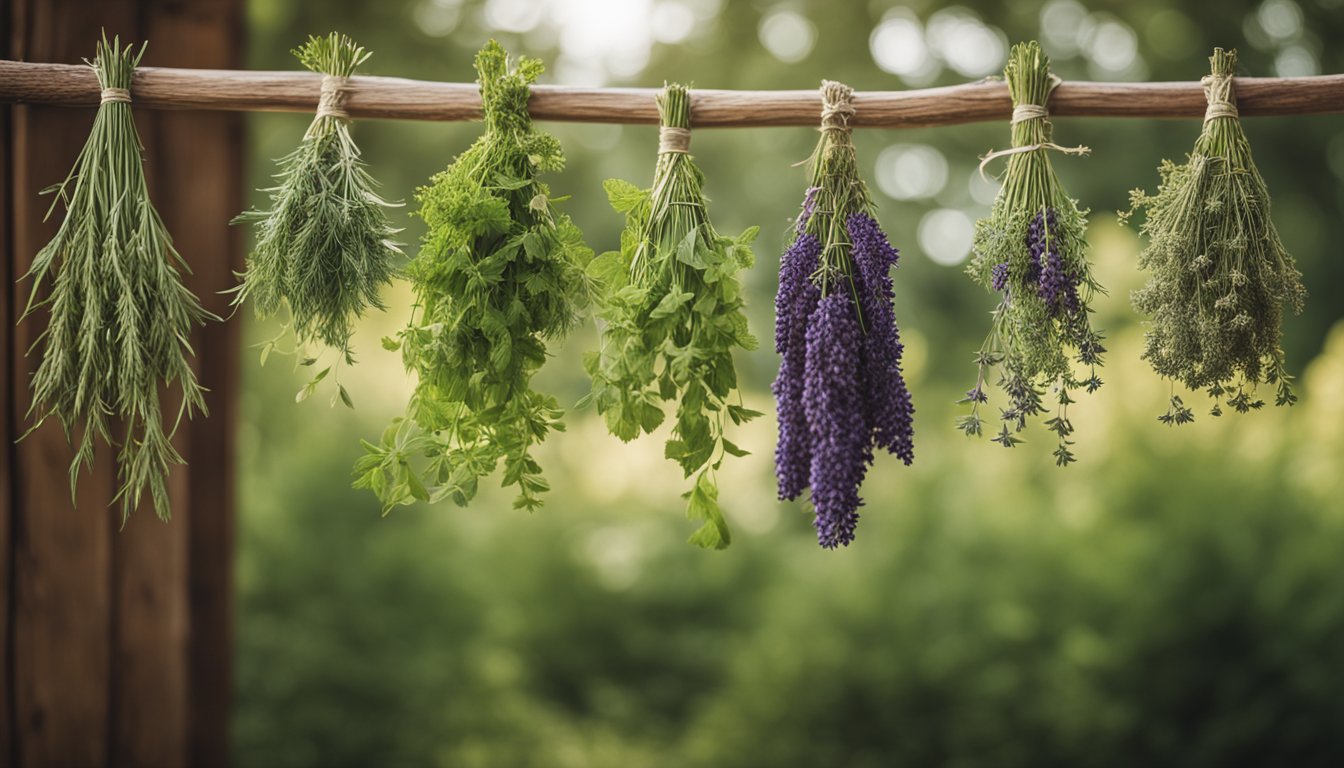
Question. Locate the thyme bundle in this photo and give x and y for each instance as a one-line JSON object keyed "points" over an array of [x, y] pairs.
{"points": [[324, 249], [840, 393], [672, 305], [499, 272], [1031, 251], [1219, 274], [119, 315]]}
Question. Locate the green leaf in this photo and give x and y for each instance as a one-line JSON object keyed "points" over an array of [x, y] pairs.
{"points": [[624, 196], [670, 304], [689, 251], [740, 415], [391, 344], [703, 504], [732, 448]]}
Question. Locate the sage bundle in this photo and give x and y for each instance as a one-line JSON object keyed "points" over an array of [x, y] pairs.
{"points": [[1219, 275], [840, 393], [499, 272], [1031, 252], [119, 316], [671, 303], [325, 247]]}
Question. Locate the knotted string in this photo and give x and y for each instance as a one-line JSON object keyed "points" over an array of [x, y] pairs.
{"points": [[1218, 92], [113, 95], [1021, 114], [332, 101], [673, 140], [837, 106]]}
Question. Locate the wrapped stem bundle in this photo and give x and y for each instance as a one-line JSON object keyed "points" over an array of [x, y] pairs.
{"points": [[325, 248], [672, 305], [1031, 252], [499, 272], [120, 316], [1219, 276], [840, 394]]}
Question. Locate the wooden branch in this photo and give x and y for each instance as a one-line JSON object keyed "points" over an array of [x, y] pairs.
{"points": [[389, 97]]}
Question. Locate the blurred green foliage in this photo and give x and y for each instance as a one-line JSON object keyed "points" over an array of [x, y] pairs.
{"points": [[1172, 600]]}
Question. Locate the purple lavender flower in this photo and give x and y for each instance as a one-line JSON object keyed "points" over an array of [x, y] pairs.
{"points": [[1056, 287], [794, 304], [891, 412], [809, 207], [836, 412], [999, 277]]}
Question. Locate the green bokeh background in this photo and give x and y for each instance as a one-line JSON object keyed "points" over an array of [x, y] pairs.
{"points": [[1174, 599]]}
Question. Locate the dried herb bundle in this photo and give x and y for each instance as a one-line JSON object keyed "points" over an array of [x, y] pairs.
{"points": [[672, 305], [324, 249], [498, 273], [119, 314], [840, 393], [1031, 251], [1219, 274]]}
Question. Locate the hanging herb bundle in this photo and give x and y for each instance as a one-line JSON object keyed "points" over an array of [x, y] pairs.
{"points": [[119, 314], [840, 393], [1219, 274], [672, 305], [1032, 253], [499, 272], [324, 249]]}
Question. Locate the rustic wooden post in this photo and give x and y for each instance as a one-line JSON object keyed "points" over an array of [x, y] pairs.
{"points": [[116, 644]]}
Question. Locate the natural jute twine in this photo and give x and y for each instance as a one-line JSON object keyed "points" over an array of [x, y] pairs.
{"points": [[837, 106], [1218, 92], [332, 101], [673, 140], [1023, 113], [114, 95]]}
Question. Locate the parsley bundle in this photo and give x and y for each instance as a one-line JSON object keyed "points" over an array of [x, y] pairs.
{"points": [[672, 304], [1031, 252], [119, 314], [1219, 274], [498, 273], [840, 393], [325, 247]]}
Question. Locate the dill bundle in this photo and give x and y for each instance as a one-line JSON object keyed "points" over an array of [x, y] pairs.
{"points": [[672, 305], [1031, 251], [119, 316], [1219, 274], [840, 394], [499, 272], [324, 249]]}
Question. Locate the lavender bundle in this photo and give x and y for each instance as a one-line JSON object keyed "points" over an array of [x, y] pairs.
{"points": [[840, 393], [325, 247], [672, 306], [1031, 252], [120, 316], [1219, 274]]}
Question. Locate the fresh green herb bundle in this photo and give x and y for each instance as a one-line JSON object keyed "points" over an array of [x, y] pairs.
{"points": [[1032, 253], [1219, 274], [119, 314], [672, 306], [498, 273], [324, 249]]}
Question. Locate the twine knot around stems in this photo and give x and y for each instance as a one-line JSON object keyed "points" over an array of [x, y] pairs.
{"points": [[114, 95], [1218, 92], [331, 103], [1030, 111], [674, 140], [837, 106]]}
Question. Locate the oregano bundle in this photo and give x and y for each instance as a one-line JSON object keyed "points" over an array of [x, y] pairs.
{"points": [[1031, 252], [840, 393], [500, 271], [1219, 275], [119, 315], [672, 303], [325, 248]]}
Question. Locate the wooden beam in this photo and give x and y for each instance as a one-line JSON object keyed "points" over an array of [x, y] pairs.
{"points": [[389, 97]]}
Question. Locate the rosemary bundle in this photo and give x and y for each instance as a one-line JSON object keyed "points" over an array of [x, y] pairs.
{"points": [[1031, 251], [672, 305], [840, 393], [325, 247], [119, 316], [1219, 274], [499, 271]]}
